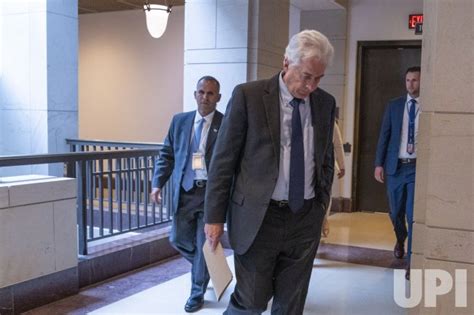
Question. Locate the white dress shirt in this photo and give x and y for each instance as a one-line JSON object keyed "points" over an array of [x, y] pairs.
{"points": [[282, 186], [402, 153], [202, 174]]}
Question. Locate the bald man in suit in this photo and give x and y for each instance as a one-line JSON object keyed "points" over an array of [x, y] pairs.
{"points": [[191, 137]]}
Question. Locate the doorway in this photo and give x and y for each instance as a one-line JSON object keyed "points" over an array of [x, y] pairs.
{"points": [[381, 70]]}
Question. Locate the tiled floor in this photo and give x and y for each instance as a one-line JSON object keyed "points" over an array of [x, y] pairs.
{"points": [[338, 286], [335, 288], [362, 229]]}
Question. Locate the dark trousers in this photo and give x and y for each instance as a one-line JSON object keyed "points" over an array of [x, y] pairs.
{"points": [[187, 236], [401, 192], [279, 262]]}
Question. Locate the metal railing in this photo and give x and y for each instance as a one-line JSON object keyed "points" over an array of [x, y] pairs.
{"points": [[81, 145], [113, 186]]}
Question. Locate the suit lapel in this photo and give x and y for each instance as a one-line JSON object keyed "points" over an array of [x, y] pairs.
{"points": [[318, 128], [271, 103], [188, 125], [213, 130], [399, 110]]}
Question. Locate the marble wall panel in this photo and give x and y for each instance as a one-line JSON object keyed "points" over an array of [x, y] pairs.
{"points": [[216, 56], [449, 245], [62, 62], [338, 65], [422, 169], [61, 125], [273, 24], [38, 124], [337, 91], [200, 24], [269, 58], [333, 79], [67, 8], [14, 93], [39, 73], [15, 7], [418, 239], [65, 234], [265, 71], [232, 26], [452, 54], [37, 55], [4, 196], [42, 191], [331, 23], [417, 260], [16, 131], [6, 181], [16, 170], [450, 185], [295, 20], [27, 243]]}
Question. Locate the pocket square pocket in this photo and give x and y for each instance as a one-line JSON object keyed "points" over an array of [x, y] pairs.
{"points": [[238, 198]]}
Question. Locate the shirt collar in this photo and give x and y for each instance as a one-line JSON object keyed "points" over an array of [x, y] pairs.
{"points": [[207, 118], [285, 94], [409, 98]]}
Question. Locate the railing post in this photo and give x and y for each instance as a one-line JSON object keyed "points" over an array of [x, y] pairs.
{"points": [[82, 207], [69, 168]]}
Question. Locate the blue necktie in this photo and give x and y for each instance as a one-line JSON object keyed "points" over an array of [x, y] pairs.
{"points": [[189, 174], [296, 189], [411, 127]]}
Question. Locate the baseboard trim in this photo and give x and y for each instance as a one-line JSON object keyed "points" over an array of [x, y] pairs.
{"points": [[26, 295], [341, 204], [115, 259]]}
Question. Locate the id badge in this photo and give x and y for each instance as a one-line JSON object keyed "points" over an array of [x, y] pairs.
{"points": [[198, 161]]}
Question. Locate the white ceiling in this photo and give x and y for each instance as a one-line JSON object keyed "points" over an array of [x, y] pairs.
{"points": [[309, 5]]}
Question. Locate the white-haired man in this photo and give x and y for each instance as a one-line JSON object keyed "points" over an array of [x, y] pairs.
{"points": [[271, 176]]}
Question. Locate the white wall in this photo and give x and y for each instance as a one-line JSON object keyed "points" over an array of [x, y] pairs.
{"points": [[130, 85], [332, 23], [295, 18], [371, 20]]}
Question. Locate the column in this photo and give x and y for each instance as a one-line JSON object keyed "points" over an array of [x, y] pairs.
{"points": [[38, 85], [444, 219], [234, 40]]}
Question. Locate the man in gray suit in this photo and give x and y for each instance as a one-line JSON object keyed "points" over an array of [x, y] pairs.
{"points": [[271, 176], [185, 155]]}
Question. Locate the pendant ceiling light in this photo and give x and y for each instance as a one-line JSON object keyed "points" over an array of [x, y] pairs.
{"points": [[156, 18]]}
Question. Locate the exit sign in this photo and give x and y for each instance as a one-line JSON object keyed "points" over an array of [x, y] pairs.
{"points": [[414, 19]]}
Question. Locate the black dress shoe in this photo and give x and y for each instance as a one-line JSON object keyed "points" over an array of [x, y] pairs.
{"points": [[193, 305], [399, 250]]}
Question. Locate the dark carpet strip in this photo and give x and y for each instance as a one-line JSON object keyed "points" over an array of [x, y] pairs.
{"points": [[360, 255]]}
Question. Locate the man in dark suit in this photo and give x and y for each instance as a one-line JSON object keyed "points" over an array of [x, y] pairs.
{"points": [[271, 176], [395, 159], [185, 155]]}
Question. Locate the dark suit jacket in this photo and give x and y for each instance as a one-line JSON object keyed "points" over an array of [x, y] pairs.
{"points": [[175, 150], [388, 145], [244, 168]]}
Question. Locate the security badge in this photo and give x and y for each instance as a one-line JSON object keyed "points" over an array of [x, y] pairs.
{"points": [[198, 161]]}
